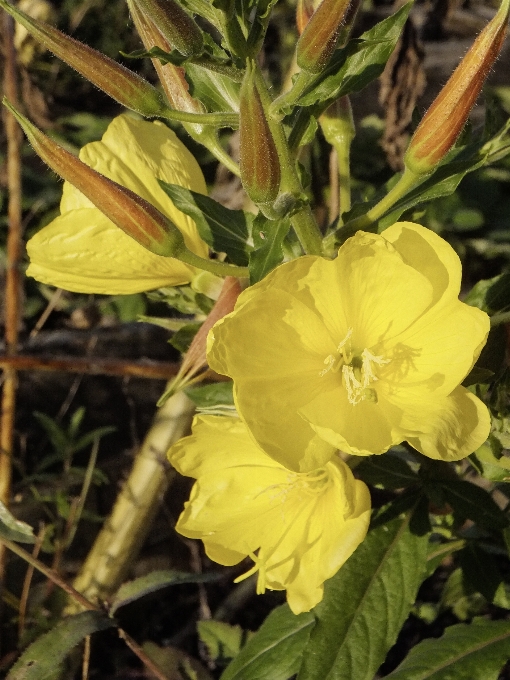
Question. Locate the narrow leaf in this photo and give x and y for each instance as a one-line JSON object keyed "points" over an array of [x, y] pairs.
{"points": [[365, 605], [206, 396], [473, 502], [275, 652], [475, 651], [268, 238], [43, 656], [139, 587], [14, 530], [388, 471], [226, 231]]}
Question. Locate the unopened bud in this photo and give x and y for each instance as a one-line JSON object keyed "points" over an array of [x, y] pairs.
{"points": [[174, 24], [304, 11], [445, 119], [258, 157], [131, 213], [319, 39], [172, 77], [126, 87], [337, 123]]}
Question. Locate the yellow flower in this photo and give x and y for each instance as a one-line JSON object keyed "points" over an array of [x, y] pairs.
{"points": [[303, 525], [358, 353], [83, 251]]}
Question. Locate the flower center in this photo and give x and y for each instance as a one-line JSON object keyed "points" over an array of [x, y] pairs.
{"points": [[357, 368]]}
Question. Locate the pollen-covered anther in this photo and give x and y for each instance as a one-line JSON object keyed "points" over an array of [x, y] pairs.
{"points": [[357, 379]]}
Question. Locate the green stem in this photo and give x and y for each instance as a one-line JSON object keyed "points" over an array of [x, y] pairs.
{"points": [[343, 152], [289, 98], [213, 266], [408, 181], [307, 231], [221, 119]]}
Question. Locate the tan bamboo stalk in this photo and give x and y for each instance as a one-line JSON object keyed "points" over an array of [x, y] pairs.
{"points": [[124, 531]]}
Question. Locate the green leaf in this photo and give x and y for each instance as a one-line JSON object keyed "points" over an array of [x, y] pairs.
{"points": [[41, 658], [216, 91], [223, 641], [473, 502], [14, 530], [139, 587], [360, 62], [365, 605], [183, 338], [57, 435], [390, 472], [268, 237], [226, 231], [274, 652], [480, 570], [206, 396], [475, 651]]}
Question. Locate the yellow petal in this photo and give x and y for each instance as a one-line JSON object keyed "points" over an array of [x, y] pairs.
{"points": [[136, 153], [449, 428], [429, 254], [344, 425], [83, 251], [437, 352]]}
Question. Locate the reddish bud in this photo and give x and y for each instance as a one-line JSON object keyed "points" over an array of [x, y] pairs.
{"points": [[174, 23], [445, 119], [304, 11], [172, 77], [120, 83], [320, 36], [258, 157], [131, 213]]}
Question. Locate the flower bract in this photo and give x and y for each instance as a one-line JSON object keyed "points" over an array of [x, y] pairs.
{"points": [[298, 528], [83, 251], [357, 353]]}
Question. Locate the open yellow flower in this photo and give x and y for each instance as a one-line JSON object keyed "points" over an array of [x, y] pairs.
{"points": [[357, 353], [83, 251], [303, 525]]}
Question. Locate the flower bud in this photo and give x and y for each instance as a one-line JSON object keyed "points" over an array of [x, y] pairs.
{"points": [[445, 119], [131, 213], [172, 77], [258, 157], [304, 11], [337, 123], [126, 87], [320, 36], [174, 23]]}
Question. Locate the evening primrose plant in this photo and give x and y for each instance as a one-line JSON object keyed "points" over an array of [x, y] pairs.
{"points": [[339, 356]]}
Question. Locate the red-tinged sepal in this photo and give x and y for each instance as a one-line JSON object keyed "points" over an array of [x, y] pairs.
{"points": [[174, 23], [258, 155], [320, 36], [445, 119], [131, 213], [126, 87]]}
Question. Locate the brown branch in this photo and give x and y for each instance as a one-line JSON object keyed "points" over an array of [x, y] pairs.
{"points": [[12, 277], [156, 370]]}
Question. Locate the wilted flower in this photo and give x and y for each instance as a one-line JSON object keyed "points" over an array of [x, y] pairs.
{"points": [[298, 528], [358, 353], [83, 251]]}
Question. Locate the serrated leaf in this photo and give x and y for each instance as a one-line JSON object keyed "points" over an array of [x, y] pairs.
{"points": [[365, 605], [206, 396], [475, 651], [473, 502], [388, 471], [139, 587], [222, 640], [14, 530], [360, 62], [39, 660], [226, 231], [274, 652], [268, 237]]}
